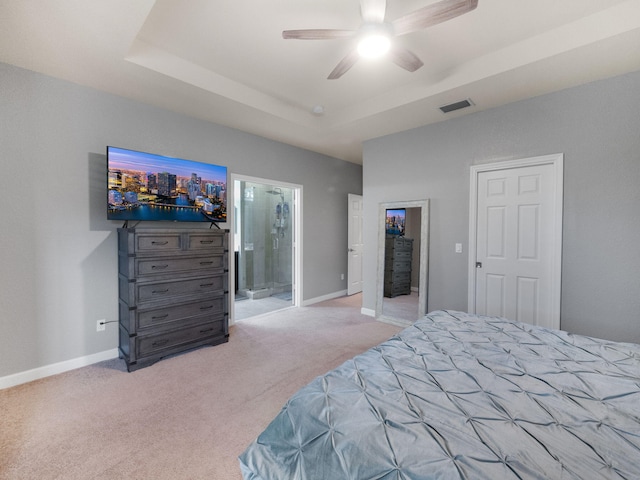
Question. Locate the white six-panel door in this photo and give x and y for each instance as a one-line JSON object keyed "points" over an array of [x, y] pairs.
{"points": [[517, 251], [354, 266]]}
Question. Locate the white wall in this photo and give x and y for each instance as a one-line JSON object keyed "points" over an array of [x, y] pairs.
{"points": [[58, 252], [597, 127]]}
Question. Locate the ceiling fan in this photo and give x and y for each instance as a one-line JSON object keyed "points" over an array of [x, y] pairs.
{"points": [[375, 34]]}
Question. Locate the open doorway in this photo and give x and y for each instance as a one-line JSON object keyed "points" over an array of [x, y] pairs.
{"points": [[265, 240], [402, 306]]}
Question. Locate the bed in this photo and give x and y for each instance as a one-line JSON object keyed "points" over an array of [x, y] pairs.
{"points": [[457, 395]]}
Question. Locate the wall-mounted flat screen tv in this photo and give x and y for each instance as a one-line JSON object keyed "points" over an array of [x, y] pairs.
{"points": [[395, 220], [148, 187]]}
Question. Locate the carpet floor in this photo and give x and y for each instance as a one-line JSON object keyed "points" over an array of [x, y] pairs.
{"points": [[185, 417]]}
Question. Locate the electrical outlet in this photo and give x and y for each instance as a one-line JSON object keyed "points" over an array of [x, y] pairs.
{"points": [[342, 276], [100, 325]]}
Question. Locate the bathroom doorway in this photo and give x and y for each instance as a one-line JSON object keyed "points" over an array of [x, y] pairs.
{"points": [[266, 219]]}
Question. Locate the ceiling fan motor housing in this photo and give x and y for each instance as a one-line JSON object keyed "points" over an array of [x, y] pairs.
{"points": [[374, 39]]}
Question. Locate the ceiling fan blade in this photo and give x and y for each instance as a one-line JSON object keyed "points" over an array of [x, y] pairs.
{"points": [[405, 59], [373, 11], [345, 64], [317, 34], [432, 15]]}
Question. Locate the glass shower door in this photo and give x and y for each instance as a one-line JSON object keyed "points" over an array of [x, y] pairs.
{"points": [[264, 241]]}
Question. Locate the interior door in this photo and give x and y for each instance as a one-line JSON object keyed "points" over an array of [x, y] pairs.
{"points": [[516, 248], [354, 237]]}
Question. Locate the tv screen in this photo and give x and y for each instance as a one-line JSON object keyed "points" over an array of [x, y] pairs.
{"points": [[149, 187], [395, 220]]}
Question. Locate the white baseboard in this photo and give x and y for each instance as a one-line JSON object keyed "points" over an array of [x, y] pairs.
{"points": [[330, 296], [56, 368], [368, 311]]}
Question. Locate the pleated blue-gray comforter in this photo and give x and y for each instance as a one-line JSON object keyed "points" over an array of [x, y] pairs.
{"points": [[459, 396]]}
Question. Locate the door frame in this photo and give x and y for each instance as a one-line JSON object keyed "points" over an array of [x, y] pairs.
{"points": [[557, 161], [423, 287], [296, 281]]}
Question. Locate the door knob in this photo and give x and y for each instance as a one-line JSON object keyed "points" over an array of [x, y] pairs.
{"points": [[478, 264]]}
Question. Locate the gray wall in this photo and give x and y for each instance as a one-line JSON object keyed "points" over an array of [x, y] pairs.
{"points": [[597, 127], [412, 230], [58, 251]]}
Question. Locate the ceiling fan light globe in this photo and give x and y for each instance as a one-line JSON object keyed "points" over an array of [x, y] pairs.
{"points": [[374, 46]]}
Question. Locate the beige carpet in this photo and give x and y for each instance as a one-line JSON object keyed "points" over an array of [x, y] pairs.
{"points": [[404, 307], [186, 417]]}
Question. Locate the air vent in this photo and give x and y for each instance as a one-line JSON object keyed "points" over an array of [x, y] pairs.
{"points": [[456, 105]]}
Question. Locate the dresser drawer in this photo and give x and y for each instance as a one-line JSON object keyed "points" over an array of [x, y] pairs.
{"points": [[398, 277], [158, 243], [140, 319], [404, 243], [397, 284], [136, 267], [179, 313], [395, 290], [398, 266], [402, 255], [163, 266], [163, 317], [206, 242], [399, 243], [154, 344], [150, 242], [168, 291]]}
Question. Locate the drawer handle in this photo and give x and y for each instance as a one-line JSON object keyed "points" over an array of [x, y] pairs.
{"points": [[159, 267], [159, 343], [206, 263], [206, 330], [209, 307], [160, 317], [160, 291], [206, 242], [159, 243], [203, 285]]}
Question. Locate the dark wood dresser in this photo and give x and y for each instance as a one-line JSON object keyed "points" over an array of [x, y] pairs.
{"points": [[398, 253], [173, 289]]}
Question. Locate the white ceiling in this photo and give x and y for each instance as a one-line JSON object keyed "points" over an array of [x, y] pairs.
{"points": [[225, 60]]}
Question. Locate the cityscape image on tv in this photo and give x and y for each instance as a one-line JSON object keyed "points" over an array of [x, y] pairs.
{"points": [[395, 221], [144, 186]]}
